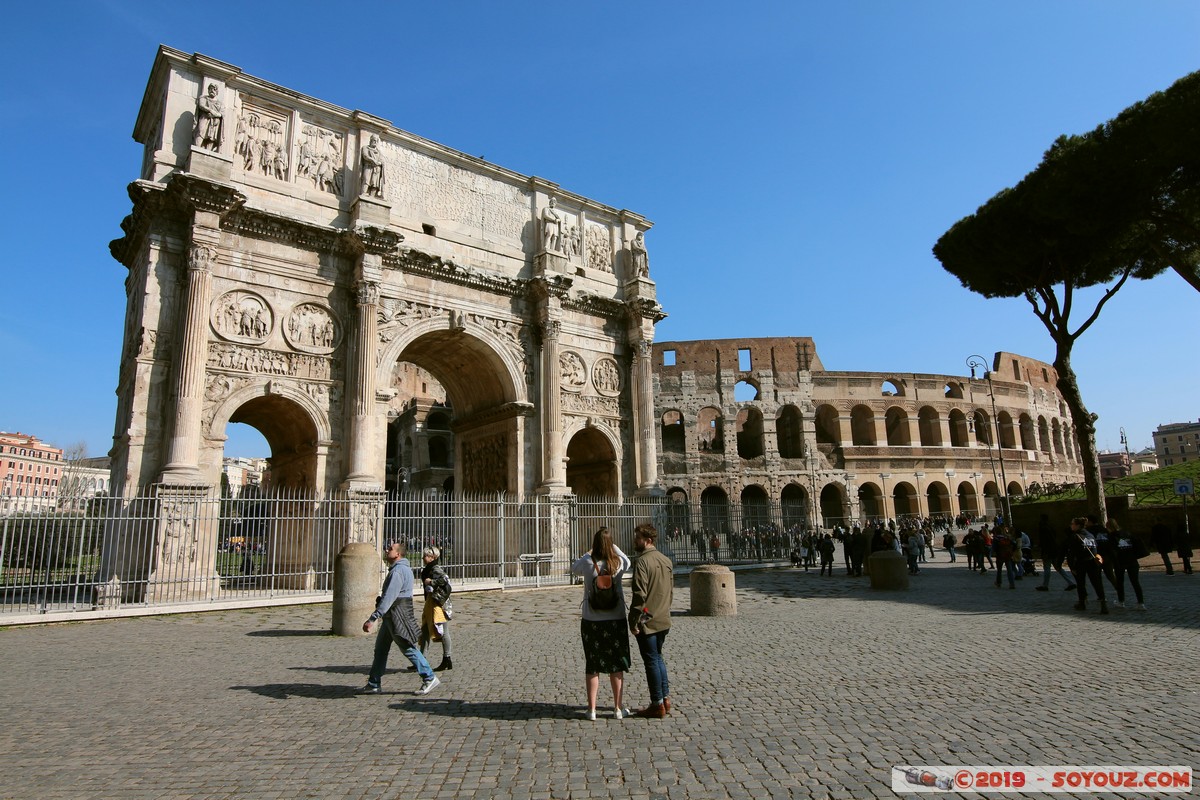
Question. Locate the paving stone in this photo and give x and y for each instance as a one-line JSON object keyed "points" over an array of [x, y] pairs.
{"points": [[816, 689]]}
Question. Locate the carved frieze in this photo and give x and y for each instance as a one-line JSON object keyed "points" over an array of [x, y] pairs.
{"points": [[260, 143], [572, 371], [599, 247], [260, 361], [319, 159], [394, 315], [485, 463], [324, 395], [242, 316], [312, 328], [606, 376], [590, 404]]}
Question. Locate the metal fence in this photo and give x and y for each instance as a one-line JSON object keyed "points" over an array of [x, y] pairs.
{"points": [[183, 549]]}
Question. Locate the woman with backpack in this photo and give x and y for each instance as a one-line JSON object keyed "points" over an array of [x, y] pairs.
{"points": [[604, 628], [435, 618]]}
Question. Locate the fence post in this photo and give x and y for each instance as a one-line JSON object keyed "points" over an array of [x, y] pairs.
{"points": [[500, 566]]}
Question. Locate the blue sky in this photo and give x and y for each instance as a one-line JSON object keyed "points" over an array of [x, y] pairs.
{"points": [[799, 160]]}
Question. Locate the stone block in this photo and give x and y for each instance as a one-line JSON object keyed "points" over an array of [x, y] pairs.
{"points": [[713, 591], [889, 570]]}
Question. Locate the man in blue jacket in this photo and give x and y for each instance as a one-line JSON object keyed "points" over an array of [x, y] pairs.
{"points": [[395, 608]]}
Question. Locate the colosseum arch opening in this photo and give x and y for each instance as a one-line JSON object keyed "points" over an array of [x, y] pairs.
{"points": [[789, 433], [937, 499], [834, 508], [794, 505], [862, 426], [749, 427], [896, 423], [930, 427]]}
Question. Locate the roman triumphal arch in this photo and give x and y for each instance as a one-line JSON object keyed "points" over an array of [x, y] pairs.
{"points": [[284, 254]]}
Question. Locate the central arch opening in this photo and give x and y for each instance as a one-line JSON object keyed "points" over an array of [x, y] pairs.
{"points": [[443, 432]]}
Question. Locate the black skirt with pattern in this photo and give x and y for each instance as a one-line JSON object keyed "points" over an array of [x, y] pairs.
{"points": [[605, 645]]}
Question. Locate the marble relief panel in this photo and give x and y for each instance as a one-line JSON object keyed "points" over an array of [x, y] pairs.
{"points": [[320, 158], [599, 247], [260, 144]]}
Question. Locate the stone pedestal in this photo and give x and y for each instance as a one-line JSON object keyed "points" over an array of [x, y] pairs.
{"points": [[713, 591], [182, 563], [889, 570], [355, 587]]}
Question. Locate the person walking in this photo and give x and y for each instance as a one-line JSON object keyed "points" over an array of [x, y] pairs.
{"points": [[1160, 537], [1183, 548], [602, 627], [1128, 550], [435, 621], [395, 608], [650, 616], [1085, 562], [948, 542], [915, 546], [826, 549], [1053, 553], [1003, 550]]}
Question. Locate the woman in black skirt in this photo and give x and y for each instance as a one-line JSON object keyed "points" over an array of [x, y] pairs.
{"points": [[604, 627]]}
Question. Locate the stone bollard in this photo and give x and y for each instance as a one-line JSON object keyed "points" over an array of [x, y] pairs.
{"points": [[713, 592], [355, 587], [889, 570]]}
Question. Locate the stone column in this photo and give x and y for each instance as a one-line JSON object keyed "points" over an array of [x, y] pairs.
{"points": [[183, 449], [554, 468], [642, 392], [362, 390]]}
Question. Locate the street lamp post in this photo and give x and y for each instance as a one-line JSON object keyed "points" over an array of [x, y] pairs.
{"points": [[975, 362]]}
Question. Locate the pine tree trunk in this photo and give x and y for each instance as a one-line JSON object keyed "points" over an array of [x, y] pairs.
{"points": [[1085, 430]]}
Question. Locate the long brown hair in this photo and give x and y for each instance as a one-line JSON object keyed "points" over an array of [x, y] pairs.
{"points": [[604, 550]]}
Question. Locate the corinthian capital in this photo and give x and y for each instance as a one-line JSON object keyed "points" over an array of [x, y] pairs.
{"points": [[201, 257], [368, 293]]}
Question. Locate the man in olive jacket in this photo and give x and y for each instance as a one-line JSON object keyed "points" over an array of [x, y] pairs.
{"points": [[650, 616]]}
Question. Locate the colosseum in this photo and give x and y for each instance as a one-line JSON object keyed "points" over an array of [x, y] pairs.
{"points": [[762, 424]]}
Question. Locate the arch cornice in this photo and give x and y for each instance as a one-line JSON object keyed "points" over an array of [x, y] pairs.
{"points": [[507, 352], [261, 388]]}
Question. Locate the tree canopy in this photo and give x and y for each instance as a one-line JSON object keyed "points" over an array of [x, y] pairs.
{"points": [[1117, 202], [1120, 200]]}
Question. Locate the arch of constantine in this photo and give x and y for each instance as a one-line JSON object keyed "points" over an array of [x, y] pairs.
{"points": [[829, 446], [292, 264]]}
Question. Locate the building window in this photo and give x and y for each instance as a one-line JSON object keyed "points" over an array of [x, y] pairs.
{"points": [[744, 359], [668, 358]]}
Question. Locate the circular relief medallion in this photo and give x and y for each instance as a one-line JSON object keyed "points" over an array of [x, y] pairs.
{"points": [[606, 377], [572, 371], [242, 317], [312, 328]]}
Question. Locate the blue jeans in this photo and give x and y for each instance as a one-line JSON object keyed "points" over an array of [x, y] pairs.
{"points": [[650, 646], [1001, 566], [383, 645]]}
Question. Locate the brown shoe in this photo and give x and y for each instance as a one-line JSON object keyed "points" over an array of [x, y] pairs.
{"points": [[651, 712], [666, 703]]}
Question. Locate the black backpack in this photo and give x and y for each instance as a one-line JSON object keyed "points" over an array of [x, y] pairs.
{"points": [[603, 596]]}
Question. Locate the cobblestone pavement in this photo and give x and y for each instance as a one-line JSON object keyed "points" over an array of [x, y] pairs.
{"points": [[816, 689]]}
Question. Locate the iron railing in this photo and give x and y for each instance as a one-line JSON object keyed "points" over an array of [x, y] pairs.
{"points": [[186, 548]]}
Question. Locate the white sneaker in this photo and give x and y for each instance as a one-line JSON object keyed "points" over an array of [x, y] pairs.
{"points": [[620, 713], [1141, 606], [591, 714], [1119, 604], [429, 685]]}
